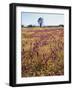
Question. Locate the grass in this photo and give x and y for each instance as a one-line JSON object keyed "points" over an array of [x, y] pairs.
{"points": [[42, 51]]}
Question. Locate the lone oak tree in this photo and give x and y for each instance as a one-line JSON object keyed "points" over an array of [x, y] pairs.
{"points": [[40, 21]]}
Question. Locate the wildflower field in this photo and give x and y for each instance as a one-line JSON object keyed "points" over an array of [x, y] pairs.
{"points": [[42, 51]]}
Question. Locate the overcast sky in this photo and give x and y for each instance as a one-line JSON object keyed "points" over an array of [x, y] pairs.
{"points": [[48, 18]]}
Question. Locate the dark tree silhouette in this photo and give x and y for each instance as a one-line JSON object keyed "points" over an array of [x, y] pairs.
{"points": [[40, 21], [22, 26], [61, 25], [29, 25]]}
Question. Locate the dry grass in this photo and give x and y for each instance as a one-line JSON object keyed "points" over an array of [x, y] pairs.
{"points": [[42, 51]]}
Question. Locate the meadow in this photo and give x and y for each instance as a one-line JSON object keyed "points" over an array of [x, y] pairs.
{"points": [[42, 51]]}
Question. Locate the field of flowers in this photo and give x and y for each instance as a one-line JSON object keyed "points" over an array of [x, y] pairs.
{"points": [[42, 51]]}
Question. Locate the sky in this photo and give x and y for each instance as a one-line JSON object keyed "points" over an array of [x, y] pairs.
{"points": [[28, 18]]}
